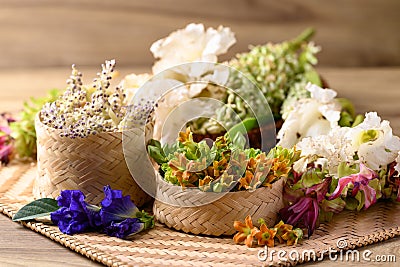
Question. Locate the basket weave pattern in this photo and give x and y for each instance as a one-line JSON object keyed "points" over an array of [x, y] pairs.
{"points": [[86, 164], [162, 246], [217, 217]]}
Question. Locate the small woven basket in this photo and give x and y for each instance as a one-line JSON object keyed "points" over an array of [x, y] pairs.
{"points": [[86, 164], [215, 218]]}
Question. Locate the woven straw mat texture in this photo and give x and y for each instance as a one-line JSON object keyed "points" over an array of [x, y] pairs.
{"points": [[86, 164], [162, 246]]}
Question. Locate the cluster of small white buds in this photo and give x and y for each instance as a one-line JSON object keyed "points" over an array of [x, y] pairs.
{"points": [[139, 114], [86, 110]]}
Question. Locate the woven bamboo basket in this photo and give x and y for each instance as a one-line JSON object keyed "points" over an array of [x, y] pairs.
{"points": [[86, 164], [179, 211]]}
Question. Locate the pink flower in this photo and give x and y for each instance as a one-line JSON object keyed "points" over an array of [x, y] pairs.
{"points": [[306, 208], [360, 181], [6, 147]]}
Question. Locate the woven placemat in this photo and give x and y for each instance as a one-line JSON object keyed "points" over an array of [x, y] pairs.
{"points": [[162, 246]]}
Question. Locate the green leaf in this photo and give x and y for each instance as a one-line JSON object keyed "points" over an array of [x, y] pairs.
{"points": [[239, 141], [358, 119], [346, 120], [345, 170], [305, 36], [23, 131], [333, 185], [376, 185], [336, 205], [347, 105], [38, 208], [361, 200], [351, 203], [145, 218], [309, 178], [325, 216], [313, 77], [245, 125], [157, 154]]}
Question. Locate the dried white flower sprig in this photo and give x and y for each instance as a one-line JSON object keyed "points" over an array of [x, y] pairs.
{"points": [[85, 110]]}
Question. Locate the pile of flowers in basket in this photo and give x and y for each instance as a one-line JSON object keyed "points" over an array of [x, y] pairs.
{"points": [[327, 159]]}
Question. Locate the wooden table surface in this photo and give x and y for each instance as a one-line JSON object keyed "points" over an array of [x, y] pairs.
{"points": [[371, 89]]}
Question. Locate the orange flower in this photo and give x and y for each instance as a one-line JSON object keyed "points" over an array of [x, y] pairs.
{"points": [[220, 166], [204, 184], [282, 229], [279, 169], [246, 180], [292, 237], [246, 231], [266, 236], [185, 136]]}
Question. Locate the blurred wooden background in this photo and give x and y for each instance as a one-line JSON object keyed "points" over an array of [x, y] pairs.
{"points": [[54, 33]]}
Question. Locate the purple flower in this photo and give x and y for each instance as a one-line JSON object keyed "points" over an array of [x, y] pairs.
{"points": [[115, 207], [306, 208], [75, 215], [6, 147], [360, 181], [125, 228], [5, 152], [117, 217], [8, 117]]}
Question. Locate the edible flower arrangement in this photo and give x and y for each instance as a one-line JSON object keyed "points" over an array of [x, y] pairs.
{"points": [[224, 166], [329, 157], [340, 167]]}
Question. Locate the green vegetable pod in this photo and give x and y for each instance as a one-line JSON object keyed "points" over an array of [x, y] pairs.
{"points": [[86, 164]]}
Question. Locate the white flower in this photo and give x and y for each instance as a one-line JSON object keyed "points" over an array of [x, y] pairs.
{"points": [[335, 147], [397, 167], [374, 142], [190, 82], [310, 117], [131, 83], [197, 76], [191, 44], [172, 111]]}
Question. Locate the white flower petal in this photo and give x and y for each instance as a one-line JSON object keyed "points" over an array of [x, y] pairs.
{"points": [[378, 150], [219, 40], [334, 147], [310, 117], [397, 167], [173, 123], [322, 95], [191, 44], [131, 83]]}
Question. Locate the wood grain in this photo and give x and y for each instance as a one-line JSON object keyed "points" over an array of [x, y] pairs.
{"points": [[48, 33], [22, 247]]}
